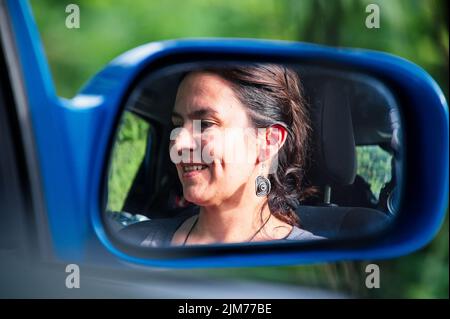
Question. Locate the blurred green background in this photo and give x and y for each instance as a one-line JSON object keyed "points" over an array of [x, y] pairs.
{"points": [[414, 29]]}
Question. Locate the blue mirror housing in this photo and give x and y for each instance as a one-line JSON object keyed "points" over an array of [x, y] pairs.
{"points": [[424, 110]]}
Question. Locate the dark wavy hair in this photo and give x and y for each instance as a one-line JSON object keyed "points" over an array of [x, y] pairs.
{"points": [[272, 95]]}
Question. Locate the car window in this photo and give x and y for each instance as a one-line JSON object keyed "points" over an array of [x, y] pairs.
{"points": [[374, 165], [128, 153]]}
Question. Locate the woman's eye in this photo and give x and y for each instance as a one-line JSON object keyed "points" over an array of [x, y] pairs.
{"points": [[206, 124]]}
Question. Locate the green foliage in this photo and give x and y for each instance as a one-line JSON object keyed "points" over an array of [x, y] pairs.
{"points": [[374, 165], [423, 274], [128, 153], [416, 30]]}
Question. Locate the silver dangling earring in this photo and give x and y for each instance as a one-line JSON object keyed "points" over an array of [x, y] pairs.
{"points": [[262, 184]]}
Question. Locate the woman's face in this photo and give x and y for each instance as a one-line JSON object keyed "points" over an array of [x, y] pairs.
{"points": [[215, 148]]}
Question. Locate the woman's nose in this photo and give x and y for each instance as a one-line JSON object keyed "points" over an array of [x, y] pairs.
{"points": [[185, 140]]}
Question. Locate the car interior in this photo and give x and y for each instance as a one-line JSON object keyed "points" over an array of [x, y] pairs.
{"points": [[347, 110]]}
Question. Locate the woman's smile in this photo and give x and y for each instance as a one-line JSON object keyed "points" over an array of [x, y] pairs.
{"points": [[193, 170]]}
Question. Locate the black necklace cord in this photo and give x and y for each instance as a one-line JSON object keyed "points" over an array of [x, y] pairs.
{"points": [[260, 228], [248, 240], [190, 231]]}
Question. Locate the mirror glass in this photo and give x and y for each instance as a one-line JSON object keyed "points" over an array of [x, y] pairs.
{"points": [[242, 153]]}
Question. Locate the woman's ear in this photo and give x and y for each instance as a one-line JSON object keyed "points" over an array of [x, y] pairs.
{"points": [[276, 136], [273, 140]]}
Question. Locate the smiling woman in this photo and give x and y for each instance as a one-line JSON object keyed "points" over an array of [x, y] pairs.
{"points": [[251, 152], [239, 147], [253, 123]]}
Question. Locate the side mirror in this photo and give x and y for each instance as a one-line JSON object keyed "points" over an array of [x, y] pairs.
{"points": [[372, 182]]}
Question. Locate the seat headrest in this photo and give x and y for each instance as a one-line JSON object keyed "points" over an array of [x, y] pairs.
{"points": [[333, 161]]}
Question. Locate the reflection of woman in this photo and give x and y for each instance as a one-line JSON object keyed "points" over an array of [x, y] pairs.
{"points": [[252, 197], [239, 146]]}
